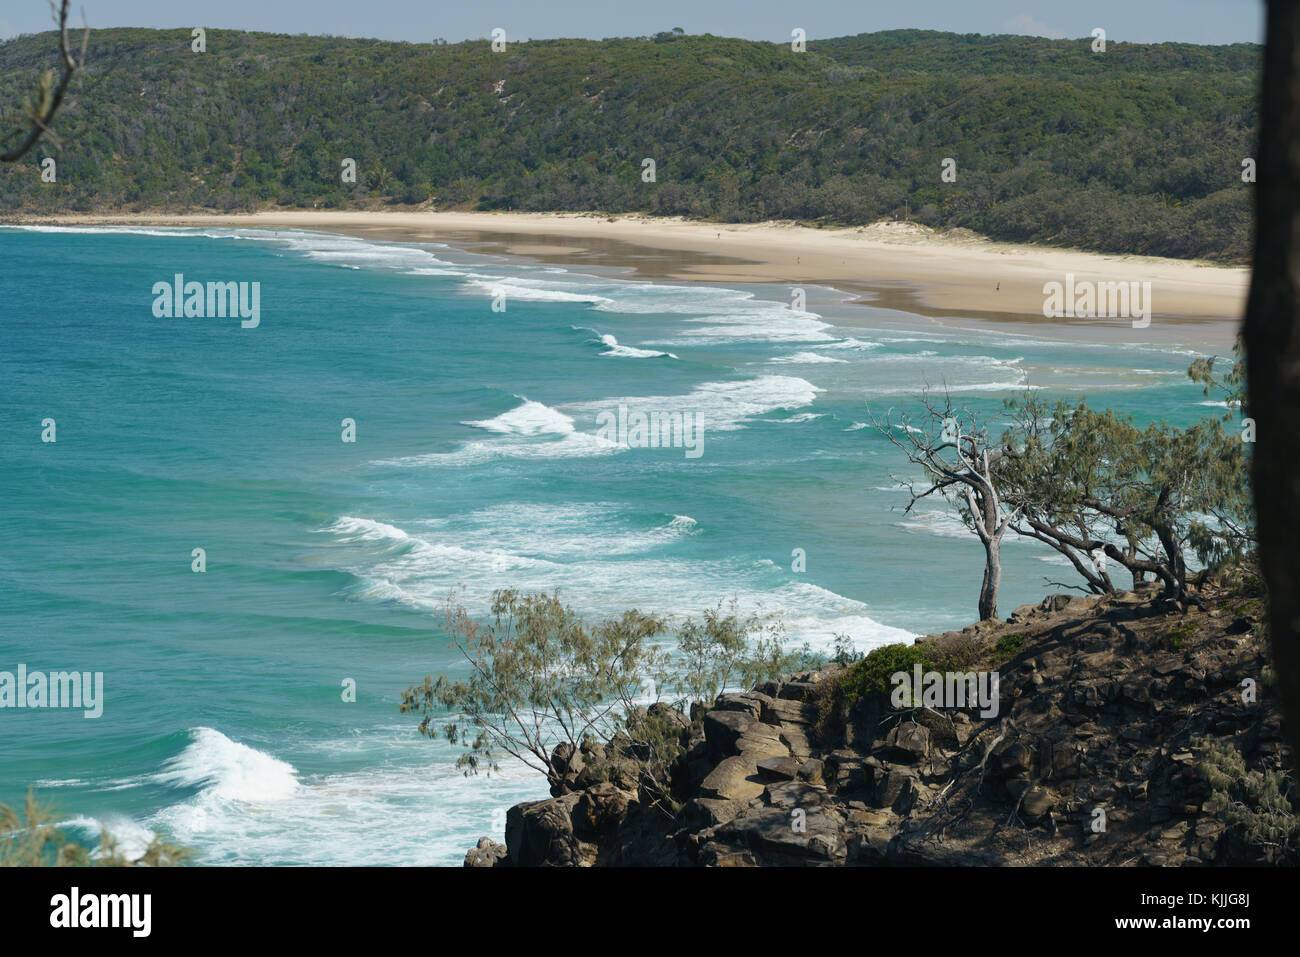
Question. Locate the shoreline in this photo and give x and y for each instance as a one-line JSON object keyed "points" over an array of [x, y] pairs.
{"points": [[949, 278]]}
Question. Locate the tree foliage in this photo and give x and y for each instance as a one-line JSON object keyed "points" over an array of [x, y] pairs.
{"points": [[1092, 483], [540, 678], [1138, 150]]}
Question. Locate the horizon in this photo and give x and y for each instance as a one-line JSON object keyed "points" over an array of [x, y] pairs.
{"points": [[1202, 23], [687, 34]]}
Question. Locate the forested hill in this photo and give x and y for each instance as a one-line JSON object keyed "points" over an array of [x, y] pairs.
{"points": [[1137, 149]]}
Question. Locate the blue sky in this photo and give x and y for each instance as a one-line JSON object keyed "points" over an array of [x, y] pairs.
{"points": [[1190, 21]]}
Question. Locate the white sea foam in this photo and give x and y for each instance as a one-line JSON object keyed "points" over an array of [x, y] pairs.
{"points": [[956, 374], [416, 808], [721, 406], [603, 558], [533, 290], [363, 529], [131, 837], [937, 522], [535, 430], [807, 358], [857, 345], [631, 352], [530, 418], [226, 770]]}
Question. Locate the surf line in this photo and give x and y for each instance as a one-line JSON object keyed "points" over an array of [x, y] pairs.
{"points": [[656, 429]]}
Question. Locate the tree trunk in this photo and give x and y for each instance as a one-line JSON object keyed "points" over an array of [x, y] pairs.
{"points": [[992, 579], [1272, 339]]}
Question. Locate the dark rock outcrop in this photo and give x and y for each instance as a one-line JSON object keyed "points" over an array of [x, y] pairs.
{"points": [[1091, 759]]}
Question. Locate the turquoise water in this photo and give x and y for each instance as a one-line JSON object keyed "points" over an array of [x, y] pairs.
{"points": [[477, 465]]}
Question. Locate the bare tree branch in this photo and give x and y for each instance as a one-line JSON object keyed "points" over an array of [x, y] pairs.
{"points": [[47, 102], [959, 465]]}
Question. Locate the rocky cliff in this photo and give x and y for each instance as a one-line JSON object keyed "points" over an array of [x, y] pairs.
{"points": [[1128, 731]]}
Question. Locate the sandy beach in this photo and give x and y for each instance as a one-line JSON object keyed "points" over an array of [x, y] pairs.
{"points": [[946, 277]]}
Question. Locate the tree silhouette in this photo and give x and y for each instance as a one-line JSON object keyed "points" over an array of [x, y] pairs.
{"points": [[1272, 339]]}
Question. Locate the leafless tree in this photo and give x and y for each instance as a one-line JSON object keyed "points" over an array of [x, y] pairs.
{"points": [[959, 461]]}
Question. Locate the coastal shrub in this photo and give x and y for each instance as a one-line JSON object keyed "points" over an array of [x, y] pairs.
{"points": [[726, 650], [864, 678], [843, 651], [539, 676], [1255, 803], [1008, 646], [30, 838], [870, 676], [960, 651]]}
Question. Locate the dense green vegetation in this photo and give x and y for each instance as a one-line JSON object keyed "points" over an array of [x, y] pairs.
{"points": [[1138, 149]]}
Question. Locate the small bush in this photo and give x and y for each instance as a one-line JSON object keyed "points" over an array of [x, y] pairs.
{"points": [[870, 676], [958, 652], [845, 653], [1009, 646]]}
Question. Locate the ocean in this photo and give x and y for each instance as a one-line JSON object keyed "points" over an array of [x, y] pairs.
{"points": [[479, 463]]}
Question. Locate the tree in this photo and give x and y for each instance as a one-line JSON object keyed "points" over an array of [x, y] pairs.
{"points": [[959, 463], [1272, 342], [1049, 469], [539, 676], [543, 684], [724, 651], [1094, 486], [41, 106]]}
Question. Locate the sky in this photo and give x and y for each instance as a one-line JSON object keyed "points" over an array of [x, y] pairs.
{"points": [[1147, 21]]}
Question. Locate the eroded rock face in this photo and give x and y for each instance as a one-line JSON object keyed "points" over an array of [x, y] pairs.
{"points": [[488, 853], [1097, 711], [734, 779], [541, 833], [723, 728]]}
